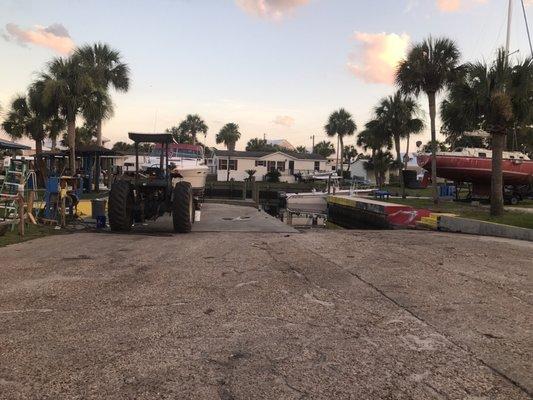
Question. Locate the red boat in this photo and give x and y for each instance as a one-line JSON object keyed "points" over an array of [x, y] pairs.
{"points": [[475, 166]]}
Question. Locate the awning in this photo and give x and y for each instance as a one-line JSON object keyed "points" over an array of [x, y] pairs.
{"points": [[151, 137], [7, 144]]}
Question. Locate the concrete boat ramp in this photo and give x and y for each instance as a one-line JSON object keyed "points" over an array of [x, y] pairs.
{"points": [[242, 308], [222, 218]]}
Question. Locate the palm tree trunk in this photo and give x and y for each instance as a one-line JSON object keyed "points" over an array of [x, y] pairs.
{"points": [[71, 134], [41, 169], [341, 144], [399, 162], [376, 174], [99, 133], [407, 151], [496, 195], [337, 155], [432, 116], [54, 142], [404, 163]]}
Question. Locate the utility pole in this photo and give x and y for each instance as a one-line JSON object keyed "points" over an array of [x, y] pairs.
{"points": [[313, 148], [509, 19]]}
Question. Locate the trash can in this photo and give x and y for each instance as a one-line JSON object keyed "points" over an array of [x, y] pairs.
{"points": [[98, 212], [98, 208]]}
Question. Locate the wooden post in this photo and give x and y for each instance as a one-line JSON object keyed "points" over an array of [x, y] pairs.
{"points": [[20, 201]]}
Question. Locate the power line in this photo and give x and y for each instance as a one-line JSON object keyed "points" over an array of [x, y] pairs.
{"points": [[527, 26]]}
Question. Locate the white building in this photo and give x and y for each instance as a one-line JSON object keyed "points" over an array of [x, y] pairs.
{"points": [[287, 163]]}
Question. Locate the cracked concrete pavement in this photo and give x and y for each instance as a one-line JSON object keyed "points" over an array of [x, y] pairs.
{"points": [[248, 315]]}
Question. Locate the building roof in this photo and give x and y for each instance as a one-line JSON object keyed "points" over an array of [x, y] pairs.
{"points": [[261, 154], [7, 144]]}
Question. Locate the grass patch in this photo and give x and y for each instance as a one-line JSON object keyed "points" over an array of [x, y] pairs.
{"points": [[514, 218], [31, 232]]}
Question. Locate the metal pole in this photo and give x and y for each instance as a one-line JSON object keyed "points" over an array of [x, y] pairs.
{"points": [[509, 19]]}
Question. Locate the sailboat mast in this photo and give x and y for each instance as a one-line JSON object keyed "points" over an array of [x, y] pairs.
{"points": [[509, 19]]}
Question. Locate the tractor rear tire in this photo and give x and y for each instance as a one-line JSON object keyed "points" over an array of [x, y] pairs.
{"points": [[120, 207], [182, 207]]}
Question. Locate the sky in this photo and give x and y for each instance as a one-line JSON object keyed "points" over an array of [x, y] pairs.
{"points": [[275, 67]]}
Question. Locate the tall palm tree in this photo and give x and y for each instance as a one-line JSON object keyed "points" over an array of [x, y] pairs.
{"points": [[107, 70], [375, 138], [430, 67], [398, 116], [229, 135], [192, 125], [340, 124], [67, 84]]}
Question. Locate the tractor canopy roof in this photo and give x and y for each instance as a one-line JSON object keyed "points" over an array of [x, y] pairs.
{"points": [[151, 137]]}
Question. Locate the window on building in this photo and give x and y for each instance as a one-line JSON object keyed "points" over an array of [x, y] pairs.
{"points": [[271, 165], [333, 168], [483, 155], [260, 163], [281, 166], [233, 165], [223, 164], [317, 165]]}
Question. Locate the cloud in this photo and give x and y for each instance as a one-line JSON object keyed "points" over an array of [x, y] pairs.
{"points": [[456, 5], [284, 120], [271, 9], [377, 56], [54, 37]]}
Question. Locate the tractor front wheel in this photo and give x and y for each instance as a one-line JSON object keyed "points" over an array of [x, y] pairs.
{"points": [[120, 207], [182, 207]]}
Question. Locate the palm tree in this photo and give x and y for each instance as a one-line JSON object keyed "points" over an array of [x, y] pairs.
{"points": [[193, 125], [430, 67], [495, 97], [257, 144], [97, 108], [67, 84], [26, 118], [324, 148], [301, 150], [106, 69], [340, 124], [375, 138], [229, 135], [398, 116], [29, 116]]}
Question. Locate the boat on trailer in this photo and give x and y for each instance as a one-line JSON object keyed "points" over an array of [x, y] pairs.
{"points": [[185, 160], [474, 165]]}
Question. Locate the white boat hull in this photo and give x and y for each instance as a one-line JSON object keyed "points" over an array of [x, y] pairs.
{"points": [[196, 176]]}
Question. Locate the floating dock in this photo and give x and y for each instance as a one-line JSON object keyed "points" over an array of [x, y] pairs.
{"points": [[363, 213]]}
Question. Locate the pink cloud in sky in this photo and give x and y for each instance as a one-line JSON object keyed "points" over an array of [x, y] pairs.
{"points": [[377, 56], [274, 9], [456, 5], [284, 120], [54, 37]]}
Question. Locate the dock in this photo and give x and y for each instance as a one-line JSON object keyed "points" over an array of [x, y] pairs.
{"points": [[363, 213]]}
